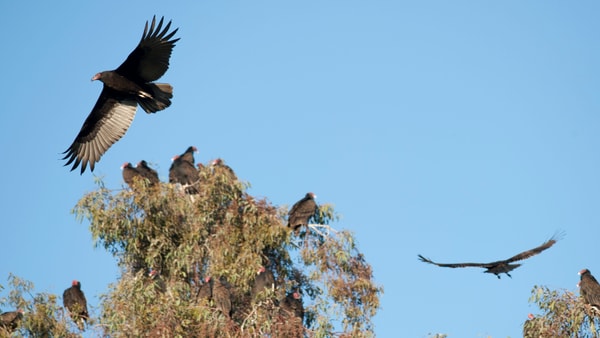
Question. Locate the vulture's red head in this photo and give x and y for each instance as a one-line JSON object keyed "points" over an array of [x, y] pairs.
{"points": [[207, 279], [217, 161], [200, 166], [311, 195], [174, 158], [76, 283], [125, 165], [582, 272], [97, 77], [153, 273], [261, 270], [296, 295], [530, 316]]}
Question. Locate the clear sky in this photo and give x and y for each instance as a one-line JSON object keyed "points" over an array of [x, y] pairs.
{"points": [[460, 130]]}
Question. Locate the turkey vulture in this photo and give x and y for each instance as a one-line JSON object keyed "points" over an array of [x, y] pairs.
{"points": [[589, 289], [264, 281], [184, 173], [74, 301], [302, 211], [221, 296], [219, 165], [188, 155], [205, 291], [148, 173], [10, 320], [129, 173], [157, 281], [291, 306], [124, 88], [504, 266]]}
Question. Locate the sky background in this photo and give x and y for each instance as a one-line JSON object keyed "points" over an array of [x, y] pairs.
{"points": [[460, 130]]}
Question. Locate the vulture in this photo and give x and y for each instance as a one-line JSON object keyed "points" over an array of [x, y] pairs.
{"points": [[124, 88], [184, 173], [532, 327], [157, 281], [221, 296], [74, 300], [503, 266], [10, 320], [148, 173], [589, 289], [219, 165], [302, 211], [205, 291], [188, 155], [129, 173], [264, 280], [291, 306]]}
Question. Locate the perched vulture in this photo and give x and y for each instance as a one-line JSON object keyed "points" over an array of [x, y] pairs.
{"points": [[124, 88], [302, 211], [188, 155], [291, 306], [221, 296], [504, 266], [74, 300], [157, 281], [184, 173], [148, 173], [10, 320], [219, 165], [532, 327], [589, 289], [264, 280], [205, 291], [129, 173]]}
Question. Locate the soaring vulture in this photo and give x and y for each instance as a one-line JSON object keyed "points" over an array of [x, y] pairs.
{"points": [[302, 211], [74, 300], [504, 266], [291, 306], [130, 173], [589, 289], [124, 88], [184, 173], [148, 173], [264, 281], [10, 320]]}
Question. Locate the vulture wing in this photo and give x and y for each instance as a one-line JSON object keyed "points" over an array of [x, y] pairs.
{"points": [[537, 250], [456, 265], [107, 123], [150, 59]]}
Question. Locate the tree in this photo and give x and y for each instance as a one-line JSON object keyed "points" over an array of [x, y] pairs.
{"points": [[226, 234], [563, 314]]}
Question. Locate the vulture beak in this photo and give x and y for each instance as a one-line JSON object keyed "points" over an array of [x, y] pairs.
{"points": [[95, 77]]}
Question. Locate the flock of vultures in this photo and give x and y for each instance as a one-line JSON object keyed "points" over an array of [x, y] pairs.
{"points": [[126, 87], [132, 84]]}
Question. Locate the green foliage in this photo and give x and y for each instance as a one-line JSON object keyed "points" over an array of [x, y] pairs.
{"points": [[562, 315], [225, 233]]}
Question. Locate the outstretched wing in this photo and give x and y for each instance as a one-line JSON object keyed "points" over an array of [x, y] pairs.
{"points": [[455, 265], [150, 59], [526, 254]]}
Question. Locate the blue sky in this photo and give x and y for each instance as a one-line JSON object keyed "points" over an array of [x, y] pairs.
{"points": [[460, 130]]}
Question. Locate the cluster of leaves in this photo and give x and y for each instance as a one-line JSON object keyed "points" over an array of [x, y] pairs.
{"points": [[225, 233], [563, 314]]}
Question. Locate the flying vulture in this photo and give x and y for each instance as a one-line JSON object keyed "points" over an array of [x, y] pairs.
{"points": [[302, 211], [124, 88], [148, 173], [504, 266], [184, 173], [10, 320], [291, 306], [129, 173], [74, 300], [589, 289], [264, 281]]}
